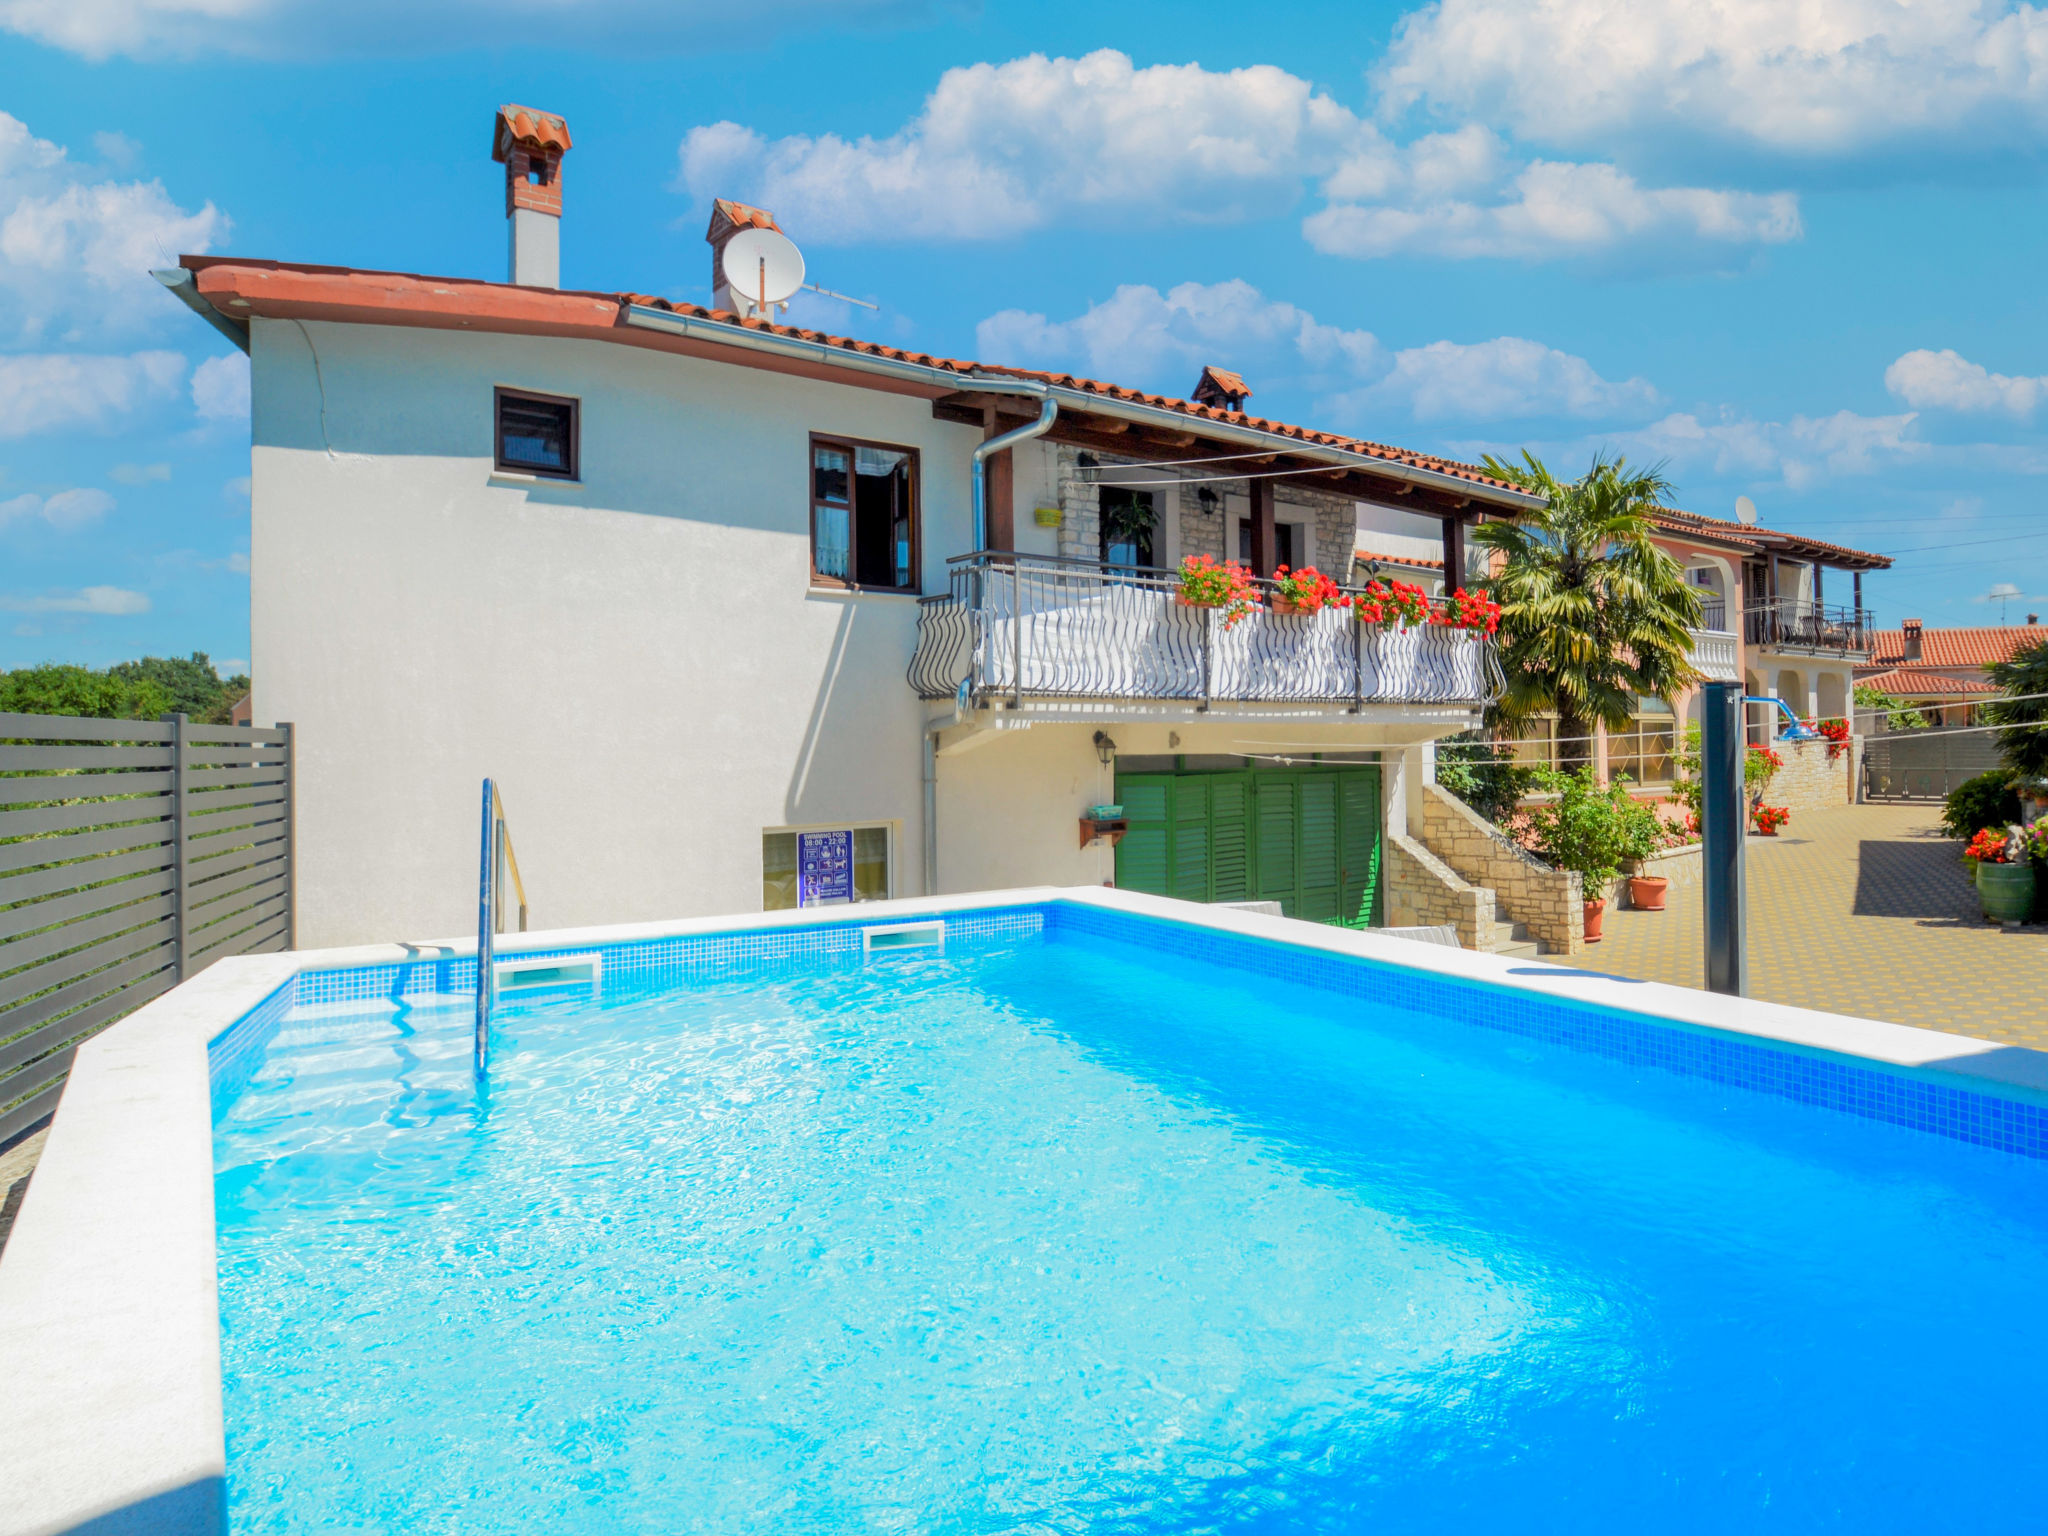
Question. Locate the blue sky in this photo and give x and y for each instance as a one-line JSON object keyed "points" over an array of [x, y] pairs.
{"points": [[1792, 252]]}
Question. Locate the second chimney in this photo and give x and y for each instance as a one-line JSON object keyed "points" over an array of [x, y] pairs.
{"points": [[1911, 632], [530, 146]]}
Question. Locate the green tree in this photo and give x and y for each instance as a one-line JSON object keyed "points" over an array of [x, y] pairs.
{"points": [[53, 689], [2024, 744], [190, 682], [1899, 716], [1593, 615]]}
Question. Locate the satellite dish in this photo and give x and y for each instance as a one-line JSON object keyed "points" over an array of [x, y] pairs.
{"points": [[1745, 511], [763, 266]]}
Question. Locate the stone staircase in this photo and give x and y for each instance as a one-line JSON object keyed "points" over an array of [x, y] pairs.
{"points": [[1517, 943]]}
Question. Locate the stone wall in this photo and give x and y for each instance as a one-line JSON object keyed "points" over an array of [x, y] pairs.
{"points": [[1422, 891], [1080, 509], [1336, 531], [1808, 781], [1550, 901], [1681, 866]]}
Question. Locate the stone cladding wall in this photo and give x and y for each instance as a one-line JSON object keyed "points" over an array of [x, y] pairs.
{"points": [[1550, 901], [1808, 781], [1423, 891]]}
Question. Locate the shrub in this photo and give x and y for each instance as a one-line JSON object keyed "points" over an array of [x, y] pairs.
{"points": [[1483, 774], [1988, 800], [1897, 716], [1591, 829]]}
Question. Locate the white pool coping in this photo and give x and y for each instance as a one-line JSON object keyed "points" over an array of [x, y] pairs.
{"points": [[109, 1318]]}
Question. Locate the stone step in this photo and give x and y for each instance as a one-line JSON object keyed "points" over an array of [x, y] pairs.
{"points": [[1524, 951]]}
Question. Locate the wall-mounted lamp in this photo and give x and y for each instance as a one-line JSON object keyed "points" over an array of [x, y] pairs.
{"points": [[1105, 748], [1208, 499]]}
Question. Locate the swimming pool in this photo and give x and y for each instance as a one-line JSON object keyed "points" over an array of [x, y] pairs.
{"points": [[1095, 1221]]}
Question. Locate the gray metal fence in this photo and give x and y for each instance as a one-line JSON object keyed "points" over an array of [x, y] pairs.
{"points": [[133, 854], [1910, 765]]}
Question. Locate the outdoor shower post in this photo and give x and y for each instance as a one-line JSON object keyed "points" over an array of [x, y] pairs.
{"points": [[1722, 821]]}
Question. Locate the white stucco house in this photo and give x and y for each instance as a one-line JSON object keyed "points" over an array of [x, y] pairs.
{"points": [[688, 583]]}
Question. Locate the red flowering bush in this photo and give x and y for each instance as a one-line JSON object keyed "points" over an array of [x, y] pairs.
{"points": [[1769, 818], [1391, 602], [1229, 586], [1308, 589], [1474, 611], [1771, 759], [1835, 733]]}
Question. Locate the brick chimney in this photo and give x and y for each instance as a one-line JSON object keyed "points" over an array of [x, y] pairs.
{"points": [[530, 146], [728, 218], [1911, 631], [1222, 388]]}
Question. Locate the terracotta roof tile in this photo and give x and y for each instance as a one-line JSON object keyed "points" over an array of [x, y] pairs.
{"points": [[1748, 533], [523, 125], [1908, 683], [1413, 562], [1955, 647]]}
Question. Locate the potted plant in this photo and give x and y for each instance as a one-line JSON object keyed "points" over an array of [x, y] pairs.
{"points": [[1474, 612], [1229, 587], [1642, 834], [1592, 830], [1387, 604], [1307, 590], [2004, 858], [1769, 818], [1835, 733]]}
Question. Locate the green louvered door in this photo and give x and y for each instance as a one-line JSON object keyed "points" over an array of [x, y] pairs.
{"points": [[1307, 837], [1144, 859]]}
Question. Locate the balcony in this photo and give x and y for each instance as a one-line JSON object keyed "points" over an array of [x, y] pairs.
{"points": [[1713, 643], [1791, 625], [1023, 627]]}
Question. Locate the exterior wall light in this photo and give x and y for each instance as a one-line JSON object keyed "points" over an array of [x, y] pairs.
{"points": [[1105, 748]]}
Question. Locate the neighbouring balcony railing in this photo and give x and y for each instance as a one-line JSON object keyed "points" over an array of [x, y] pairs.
{"points": [[1016, 627], [1713, 654], [1714, 615], [1789, 624]]}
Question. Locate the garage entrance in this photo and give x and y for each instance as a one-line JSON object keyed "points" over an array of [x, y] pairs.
{"points": [[1306, 836]]}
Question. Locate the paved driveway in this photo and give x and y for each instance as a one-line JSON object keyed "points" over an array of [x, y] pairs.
{"points": [[1865, 910]]}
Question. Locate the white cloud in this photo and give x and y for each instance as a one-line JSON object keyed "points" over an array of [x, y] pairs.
{"points": [[1808, 77], [237, 489], [1798, 452], [76, 250], [75, 508], [1163, 340], [1549, 209], [1505, 379], [1946, 381], [116, 601], [48, 392], [99, 29], [1000, 149], [138, 474], [220, 388]]}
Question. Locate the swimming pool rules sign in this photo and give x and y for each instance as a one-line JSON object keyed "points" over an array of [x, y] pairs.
{"points": [[824, 868]]}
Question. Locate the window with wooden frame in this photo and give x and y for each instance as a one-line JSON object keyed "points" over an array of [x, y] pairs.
{"points": [[537, 434], [864, 515]]}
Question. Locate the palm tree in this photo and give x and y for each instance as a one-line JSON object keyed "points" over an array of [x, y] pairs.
{"points": [[1593, 615], [2022, 678]]}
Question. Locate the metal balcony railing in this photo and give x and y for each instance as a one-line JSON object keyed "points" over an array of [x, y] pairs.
{"points": [[1016, 627], [1792, 625], [1714, 615]]}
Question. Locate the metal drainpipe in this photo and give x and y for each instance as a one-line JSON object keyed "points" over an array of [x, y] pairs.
{"points": [[1048, 412]]}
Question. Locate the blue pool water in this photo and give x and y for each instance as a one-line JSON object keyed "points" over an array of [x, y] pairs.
{"points": [[1065, 1235]]}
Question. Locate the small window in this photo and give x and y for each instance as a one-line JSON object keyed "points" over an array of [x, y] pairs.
{"points": [[537, 434], [825, 867], [863, 515], [1287, 545], [1128, 520]]}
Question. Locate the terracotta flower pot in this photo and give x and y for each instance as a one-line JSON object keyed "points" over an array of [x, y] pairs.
{"points": [[1646, 892], [1767, 831], [1596, 913], [1286, 607]]}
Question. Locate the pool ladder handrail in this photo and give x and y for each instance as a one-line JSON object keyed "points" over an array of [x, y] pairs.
{"points": [[495, 859]]}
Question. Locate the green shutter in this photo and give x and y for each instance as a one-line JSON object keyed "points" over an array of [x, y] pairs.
{"points": [[1273, 833], [1318, 871], [1359, 844], [1144, 857], [1229, 836], [1190, 881]]}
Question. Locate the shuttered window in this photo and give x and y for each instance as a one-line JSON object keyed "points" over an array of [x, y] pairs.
{"points": [[1308, 838]]}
